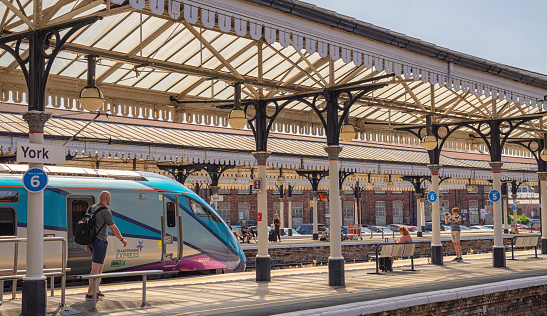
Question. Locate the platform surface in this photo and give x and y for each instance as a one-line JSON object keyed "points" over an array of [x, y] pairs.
{"points": [[290, 290]]}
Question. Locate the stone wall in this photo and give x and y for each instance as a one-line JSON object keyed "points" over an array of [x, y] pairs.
{"points": [[305, 254]]}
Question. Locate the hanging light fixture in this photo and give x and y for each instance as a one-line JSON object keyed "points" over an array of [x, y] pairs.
{"points": [[370, 185], [237, 118], [91, 98], [390, 183], [280, 179], [470, 186], [429, 142], [347, 132]]}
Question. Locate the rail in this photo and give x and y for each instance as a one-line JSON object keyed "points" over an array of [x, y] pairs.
{"points": [[523, 242], [19, 274], [395, 250], [143, 273]]}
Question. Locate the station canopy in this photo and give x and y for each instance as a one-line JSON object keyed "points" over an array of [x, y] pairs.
{"points": [[157, 52]]}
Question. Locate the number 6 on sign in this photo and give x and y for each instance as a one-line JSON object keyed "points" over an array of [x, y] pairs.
{"points": [[35, 180]]}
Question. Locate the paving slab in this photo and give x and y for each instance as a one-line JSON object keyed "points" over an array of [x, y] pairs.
{"points": [[303, 289]]}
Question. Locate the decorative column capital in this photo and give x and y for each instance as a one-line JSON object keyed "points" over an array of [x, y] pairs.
{"points": [[542, 176], [333, 151], [434, 169], [261, 157], [289, 199], [36, 120], [281, 199], [418, 196], [496, 166], [314, 194], [214, 189]]}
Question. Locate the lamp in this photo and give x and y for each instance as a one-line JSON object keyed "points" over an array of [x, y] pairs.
{"points": [[280, 179], [347, 132], [370, 186], [237, 118], [390, 183], [91, 98], [429, 142]]}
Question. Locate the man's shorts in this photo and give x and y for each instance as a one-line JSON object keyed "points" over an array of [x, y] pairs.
{"points": [[455, 236], [98, 250]]}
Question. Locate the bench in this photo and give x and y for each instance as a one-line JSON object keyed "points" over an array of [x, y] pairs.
{"points": [[524, 242], [48, 273], [143, 273], [389, 250]]}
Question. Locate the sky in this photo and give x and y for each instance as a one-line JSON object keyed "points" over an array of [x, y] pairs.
{"points": [[511, 32]]}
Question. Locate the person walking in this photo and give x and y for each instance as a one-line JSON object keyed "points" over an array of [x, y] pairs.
{"points": [[455, 219], [98, 247], [277, 224]]}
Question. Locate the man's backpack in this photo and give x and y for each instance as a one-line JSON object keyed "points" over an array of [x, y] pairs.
{"points": [[85, 230]]}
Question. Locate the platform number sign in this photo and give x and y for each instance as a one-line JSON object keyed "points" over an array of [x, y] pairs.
{"points": [[432, 196], [514, 207], [494, 195], [35, 180], [464, 216]]}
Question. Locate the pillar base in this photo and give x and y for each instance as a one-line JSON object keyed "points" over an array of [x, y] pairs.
{"points": [[419, 234], [437, 255], [506, 231], [543, 246], [336, 272], [315, 236], [34, 297], [498, 256], [423, 228], [290, 232], [263, 269]]}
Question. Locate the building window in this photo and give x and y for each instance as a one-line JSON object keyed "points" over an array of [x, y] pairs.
{"points": [[9, 196], [244, 190], [224, 191], [297, 213], [277, 208], [397, 212], [349, 212], [396, 192], [474, 215], [380, 192], [224, 210], [444, 208], [8, 223], [427, 211], [487, 188], [380, 213], [488, 216], [475, 190], [297, 191], [347, 192], [327, 214], [243, 210]]}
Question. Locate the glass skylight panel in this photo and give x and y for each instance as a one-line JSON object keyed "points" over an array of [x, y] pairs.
{"points": [[183, 84], [116, 75], [167, 81], [151, 79], [133, 41], [123, 29]]}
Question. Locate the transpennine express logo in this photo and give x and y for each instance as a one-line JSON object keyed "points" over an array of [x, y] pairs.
{"points": [[140, 246]]}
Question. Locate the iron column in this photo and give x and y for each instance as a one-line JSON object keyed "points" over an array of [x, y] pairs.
{"points": [[262, 256], [499, 248], [543, 204], [315, 219], [436, 245], [336, 261]]}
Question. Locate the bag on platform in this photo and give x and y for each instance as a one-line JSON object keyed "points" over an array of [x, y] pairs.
{"points": [[85, 230]]}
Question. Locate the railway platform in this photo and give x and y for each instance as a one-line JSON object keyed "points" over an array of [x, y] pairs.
{"points": [[305, 290]]}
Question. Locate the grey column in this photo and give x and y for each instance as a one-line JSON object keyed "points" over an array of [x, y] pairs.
{"points": [[336, 261], [505, 200], [315, 235], [262, 256], [289, 199], [498, 249], [34, 283], [419, 222], [282, 214], [436, 245], [543, 205]]}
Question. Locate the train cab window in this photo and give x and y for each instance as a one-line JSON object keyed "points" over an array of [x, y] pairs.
{"points": [[8, 223], [171, 213], [9, 196], [202, 211], [79, 208]]}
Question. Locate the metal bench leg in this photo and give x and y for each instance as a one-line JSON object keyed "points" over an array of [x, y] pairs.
{"points": [[94, 307], [411, 264], [1, 292], [14, 289], [63, 289], [52, 286], [143, 291]]}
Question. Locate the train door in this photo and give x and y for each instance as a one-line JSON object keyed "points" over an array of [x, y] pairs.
{"points": [[79, 261], [171, 232]]}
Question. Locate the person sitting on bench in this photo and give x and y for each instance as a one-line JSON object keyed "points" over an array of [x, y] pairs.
{"points": [[245, 234], [405, 238], [236, 235]]}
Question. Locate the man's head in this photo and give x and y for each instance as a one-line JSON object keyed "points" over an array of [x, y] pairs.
{"points": [[105, 197], [228, 223], [243, 223], [456, 211]]}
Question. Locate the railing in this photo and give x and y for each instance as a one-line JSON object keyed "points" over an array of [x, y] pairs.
{"points": [[144, 274], [15, 274]]}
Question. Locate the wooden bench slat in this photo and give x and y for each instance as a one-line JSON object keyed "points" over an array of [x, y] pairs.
{"points": [[386, 251], [398, 250], [409, 250]]}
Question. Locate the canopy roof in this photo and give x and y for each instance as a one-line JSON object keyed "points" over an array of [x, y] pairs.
{"points": [[194, 50]]}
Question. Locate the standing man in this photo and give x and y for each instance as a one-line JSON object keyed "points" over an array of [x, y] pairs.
{"points": [[455, 220], [103, 218], [277, 223]]}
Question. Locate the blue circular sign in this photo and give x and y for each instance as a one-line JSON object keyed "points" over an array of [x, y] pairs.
{"points": [[494, 195], [432, 196], [213, 206], [464, 216], [35, 180], [514, 207]]}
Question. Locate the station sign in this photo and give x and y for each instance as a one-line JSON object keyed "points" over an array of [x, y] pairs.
{"points": [[494, 195], [35, 180], [257, 185], [40, 153], [432, 196], [217, 198]]}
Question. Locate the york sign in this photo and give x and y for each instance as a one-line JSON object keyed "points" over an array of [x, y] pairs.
{"points": [[40, 153]]}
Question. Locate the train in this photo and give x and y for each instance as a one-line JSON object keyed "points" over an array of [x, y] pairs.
{"points": [[167, 226]]}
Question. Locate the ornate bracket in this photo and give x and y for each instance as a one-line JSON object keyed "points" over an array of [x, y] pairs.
{"points": [[181, 173], [534, 146], [314, 177]]}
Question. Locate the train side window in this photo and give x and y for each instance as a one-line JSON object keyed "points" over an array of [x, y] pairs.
{"points": [[170, 209], [79, 208], [8, 222], [9, 196]]}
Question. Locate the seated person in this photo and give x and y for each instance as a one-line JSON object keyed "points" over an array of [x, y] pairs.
{"points": [[245, 233], [325, 235], [233, 231], [405, 238]]}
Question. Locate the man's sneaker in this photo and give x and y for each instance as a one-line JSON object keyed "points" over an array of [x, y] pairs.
{"points": [[460, 259], [99, 294], [90, 297], [456, 259]]}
